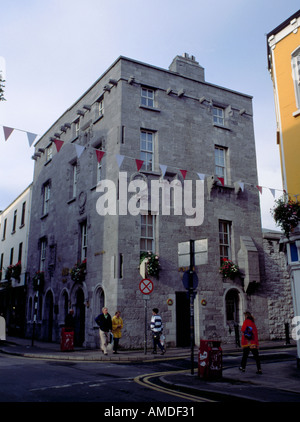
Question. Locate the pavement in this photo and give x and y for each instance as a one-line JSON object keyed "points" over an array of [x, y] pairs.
{"points": [[282, 375]]}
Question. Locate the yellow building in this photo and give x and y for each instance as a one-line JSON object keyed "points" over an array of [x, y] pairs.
{"points": [[284, 65]]}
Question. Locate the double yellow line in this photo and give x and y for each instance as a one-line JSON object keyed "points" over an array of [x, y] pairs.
{"points": [[145, 381]]}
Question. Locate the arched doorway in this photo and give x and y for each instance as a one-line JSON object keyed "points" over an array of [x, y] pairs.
{"points": [[79, 319], [232, 302]]}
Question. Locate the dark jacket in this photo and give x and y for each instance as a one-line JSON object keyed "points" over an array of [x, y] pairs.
{"points": [[105, 324]]}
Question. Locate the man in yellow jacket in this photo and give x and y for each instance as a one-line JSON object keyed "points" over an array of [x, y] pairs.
{"points": [[117, 325]]}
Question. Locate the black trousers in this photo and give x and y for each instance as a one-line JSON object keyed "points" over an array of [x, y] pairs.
{"points": [[246, 351], [116, 344]]}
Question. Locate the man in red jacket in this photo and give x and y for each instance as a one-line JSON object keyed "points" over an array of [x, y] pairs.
{"points": [[250, 342]]}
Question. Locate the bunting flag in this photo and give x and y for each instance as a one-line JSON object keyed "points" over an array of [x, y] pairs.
{"points": [[9, 130], [120, 159], [139, 164], [221, 180], [242, 186], [201, 176], [31, 137], [58, 144], [272, 192], [79, 150], [163, 168], [99, 155], [183, 172], [260, 189]]}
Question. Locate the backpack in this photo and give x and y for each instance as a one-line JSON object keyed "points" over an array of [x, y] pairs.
{"points": [[248, 333]]}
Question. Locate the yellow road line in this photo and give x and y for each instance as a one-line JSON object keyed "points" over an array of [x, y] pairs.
{"points": [[144, 380]]}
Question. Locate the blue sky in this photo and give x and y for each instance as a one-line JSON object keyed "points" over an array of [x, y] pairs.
{"points": [[51, 51]]}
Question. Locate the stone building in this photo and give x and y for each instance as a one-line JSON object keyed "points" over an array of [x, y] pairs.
{"points": [[14, 230], [147, 159]]}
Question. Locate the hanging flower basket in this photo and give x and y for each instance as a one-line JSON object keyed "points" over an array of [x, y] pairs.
{"points": [[16, 270], [152, 263], [78, 272], [8, 272], [286, 214], [38, 281], [228, 269]]}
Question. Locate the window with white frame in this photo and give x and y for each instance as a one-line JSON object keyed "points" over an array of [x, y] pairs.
{"points": [[147, 233], [147, 97], [224, 239], [46, 198], [220, 163], [1, 265], [83, 253], [49, 153], [147, 149], [100, 107], [43, 255], [296, 74], [74, 179], [14, 221], [77, 127], [218, 116]]}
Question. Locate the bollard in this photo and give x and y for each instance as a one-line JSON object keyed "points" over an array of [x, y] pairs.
{"points": [[287, 333]]}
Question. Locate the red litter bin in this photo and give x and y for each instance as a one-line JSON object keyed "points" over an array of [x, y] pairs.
{"points": [[67, 339], [210, 359]]}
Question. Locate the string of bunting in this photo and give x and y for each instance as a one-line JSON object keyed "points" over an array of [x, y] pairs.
{"points": [[9, 130], [139, 163]]}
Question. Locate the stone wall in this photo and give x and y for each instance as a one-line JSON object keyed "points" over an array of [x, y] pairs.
{"points": [[277, 286]]}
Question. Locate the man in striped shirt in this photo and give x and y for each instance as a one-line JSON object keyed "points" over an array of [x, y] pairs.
{"points": [[156, 328]]}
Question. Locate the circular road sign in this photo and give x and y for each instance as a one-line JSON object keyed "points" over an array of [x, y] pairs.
{"points": [[146, 286]]}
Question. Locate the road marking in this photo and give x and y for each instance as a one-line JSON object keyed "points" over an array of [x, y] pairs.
{"points": [[144, 380]]}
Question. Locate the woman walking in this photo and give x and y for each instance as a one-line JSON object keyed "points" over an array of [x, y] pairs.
{"points": [[117, 325], [250, 342]]}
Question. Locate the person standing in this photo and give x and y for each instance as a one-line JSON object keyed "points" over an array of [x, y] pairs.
{"points": [[117, 325], [105, 326], [156, 328], [250, 342]]}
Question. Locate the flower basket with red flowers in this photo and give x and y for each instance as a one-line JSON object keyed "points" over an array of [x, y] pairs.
{"points": [[228, 269]]}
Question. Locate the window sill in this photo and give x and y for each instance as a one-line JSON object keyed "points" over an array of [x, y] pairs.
{"points": [[98, 118], [150, 108], [221, 127], [296, 113]]}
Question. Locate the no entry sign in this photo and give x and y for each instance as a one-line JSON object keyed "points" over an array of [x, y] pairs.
{"points": [[146, 286]]}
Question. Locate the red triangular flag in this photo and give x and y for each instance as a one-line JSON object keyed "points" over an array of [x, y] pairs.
{"points": [[139, 164], [99, 155], [58, 144], [221, 180], [183, 172], [259, 188], [7, 132]]}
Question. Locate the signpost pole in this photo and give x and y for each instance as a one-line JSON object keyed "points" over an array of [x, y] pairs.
{"points": [[191, 298], [145, 338], [146, 287]]}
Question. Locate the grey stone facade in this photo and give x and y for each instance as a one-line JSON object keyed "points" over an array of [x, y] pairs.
{"points": [[278, 285], [177, 114]]}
